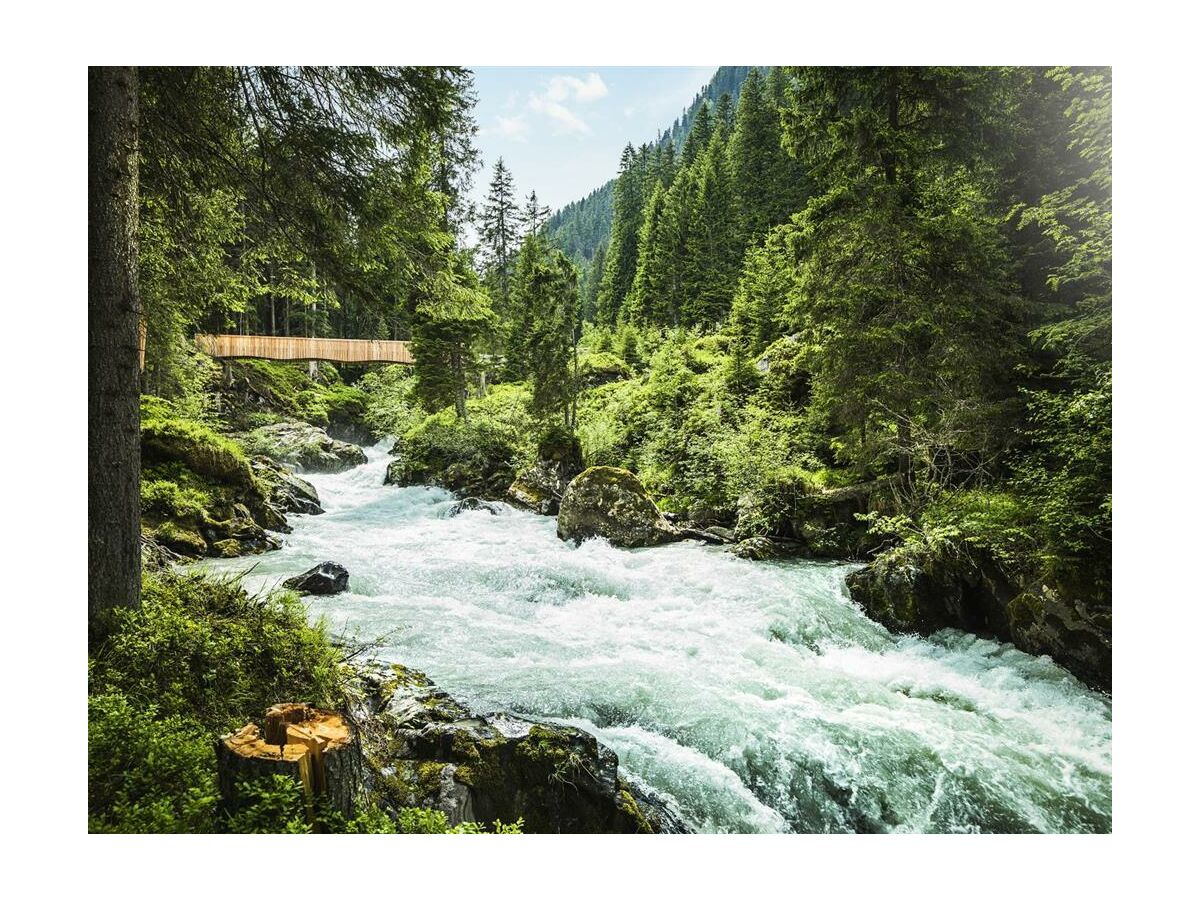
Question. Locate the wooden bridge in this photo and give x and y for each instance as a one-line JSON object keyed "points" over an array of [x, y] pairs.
{"points": [[339, 350]]}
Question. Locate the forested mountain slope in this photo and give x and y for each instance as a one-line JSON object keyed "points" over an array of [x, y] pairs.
{"points": [[582, 226]]}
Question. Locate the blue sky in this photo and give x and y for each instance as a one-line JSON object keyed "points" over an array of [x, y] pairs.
{"points": [[561, 130]]}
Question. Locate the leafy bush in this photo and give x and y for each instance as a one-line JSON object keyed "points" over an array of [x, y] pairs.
{"points": [[392, 407], [147, 773], [200, 647]]}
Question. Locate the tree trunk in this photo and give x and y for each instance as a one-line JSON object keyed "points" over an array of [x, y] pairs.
{"points": [[313, 746], [114, 310]]}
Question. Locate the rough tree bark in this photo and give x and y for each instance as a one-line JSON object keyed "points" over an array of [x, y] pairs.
{"points": [[114, 452]]}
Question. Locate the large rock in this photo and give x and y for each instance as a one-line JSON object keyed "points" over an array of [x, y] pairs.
{"points": [[541, 486], [288, 491], [200, 495], [611, 503], [326, 578], [910, 589], [471, 504], [304, 447], [424, 748]]}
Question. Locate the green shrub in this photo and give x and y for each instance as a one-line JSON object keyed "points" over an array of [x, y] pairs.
{"points": [[201, 647], [147, 773]]}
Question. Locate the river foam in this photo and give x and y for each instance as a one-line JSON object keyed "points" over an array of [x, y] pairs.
{"points": [[754, 696]]}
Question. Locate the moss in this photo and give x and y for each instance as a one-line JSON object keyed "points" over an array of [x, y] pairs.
{"points": [[630, 809], [227, 549]]}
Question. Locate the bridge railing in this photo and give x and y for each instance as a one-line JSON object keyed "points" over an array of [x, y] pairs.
{"points": [[343, 350]]}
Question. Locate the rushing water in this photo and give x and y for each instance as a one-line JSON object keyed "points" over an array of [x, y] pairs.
{"points": [[754, 696]]}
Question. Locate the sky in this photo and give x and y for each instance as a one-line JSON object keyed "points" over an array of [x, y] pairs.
{"points": [[561, 130]]}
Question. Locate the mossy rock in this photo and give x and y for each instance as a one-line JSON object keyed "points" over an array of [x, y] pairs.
{"points": [[304, 447], [426, 749], [611, 503]]}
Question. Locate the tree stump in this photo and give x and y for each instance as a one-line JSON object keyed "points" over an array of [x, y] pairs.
{"points": [[313, 746]]}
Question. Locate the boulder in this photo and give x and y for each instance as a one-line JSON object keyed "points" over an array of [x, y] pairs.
{"points": [[611, 503], [326, 578], [599, 368], [424, 748], [288, 492], [758, 549], [469, 504], [304, 447], [541, 486], [912, 589]]}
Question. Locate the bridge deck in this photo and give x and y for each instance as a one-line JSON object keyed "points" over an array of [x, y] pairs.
{"points": [[342, 350]]}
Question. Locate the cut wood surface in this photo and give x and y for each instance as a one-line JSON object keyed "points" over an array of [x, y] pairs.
{"points": [[343, 350], [313, 746]]}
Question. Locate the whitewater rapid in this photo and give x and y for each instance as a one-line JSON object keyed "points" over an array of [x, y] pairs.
{"points": [[755, 697]]}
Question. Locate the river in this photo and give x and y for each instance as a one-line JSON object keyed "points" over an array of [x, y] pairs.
{"points": [[754, 696]]}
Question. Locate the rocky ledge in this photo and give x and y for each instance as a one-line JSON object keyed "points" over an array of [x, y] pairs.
{"points": [[911, 589], [304, 447], [424, 748]]}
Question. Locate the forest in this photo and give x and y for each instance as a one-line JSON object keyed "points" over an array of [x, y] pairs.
{"points": [[857, 314]]}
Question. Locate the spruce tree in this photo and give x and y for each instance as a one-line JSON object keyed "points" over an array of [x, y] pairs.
{"points": [[533, 215], [543, 343], [620, 263], [698, 138], [754, 148], [500, 228]]}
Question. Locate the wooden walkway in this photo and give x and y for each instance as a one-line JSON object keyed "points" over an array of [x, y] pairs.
{"points": [[340, 350]]}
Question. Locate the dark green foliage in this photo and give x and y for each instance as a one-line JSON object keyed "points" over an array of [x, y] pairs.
{"points": [[451, 314], [201, 648], [146, 773], [542, 334]]}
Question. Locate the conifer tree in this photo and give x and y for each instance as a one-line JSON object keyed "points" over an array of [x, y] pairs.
{"points": [[533, 215], [698, 138], [500, 228], [648, 293], [712, 256], [620, 264], [450, 313], [754, 148], [546, 293]]}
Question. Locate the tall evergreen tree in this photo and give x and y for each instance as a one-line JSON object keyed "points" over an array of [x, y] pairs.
{"points": [[620, 263], [905, 294], [533, 215], [500, 228], [754, 148], [712, 257], [450, 314], [698, 138], [546, 294]]}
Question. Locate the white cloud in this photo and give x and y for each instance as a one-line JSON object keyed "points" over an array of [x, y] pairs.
{"points": [[515, 128], [581, 90], [564, 120]]}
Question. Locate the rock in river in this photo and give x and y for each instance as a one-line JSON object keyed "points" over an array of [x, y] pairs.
{"points": [[541, 486], [611, 503], [327, 578], [424, 748], [468, 504], [304, 447], [288, 491]]}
